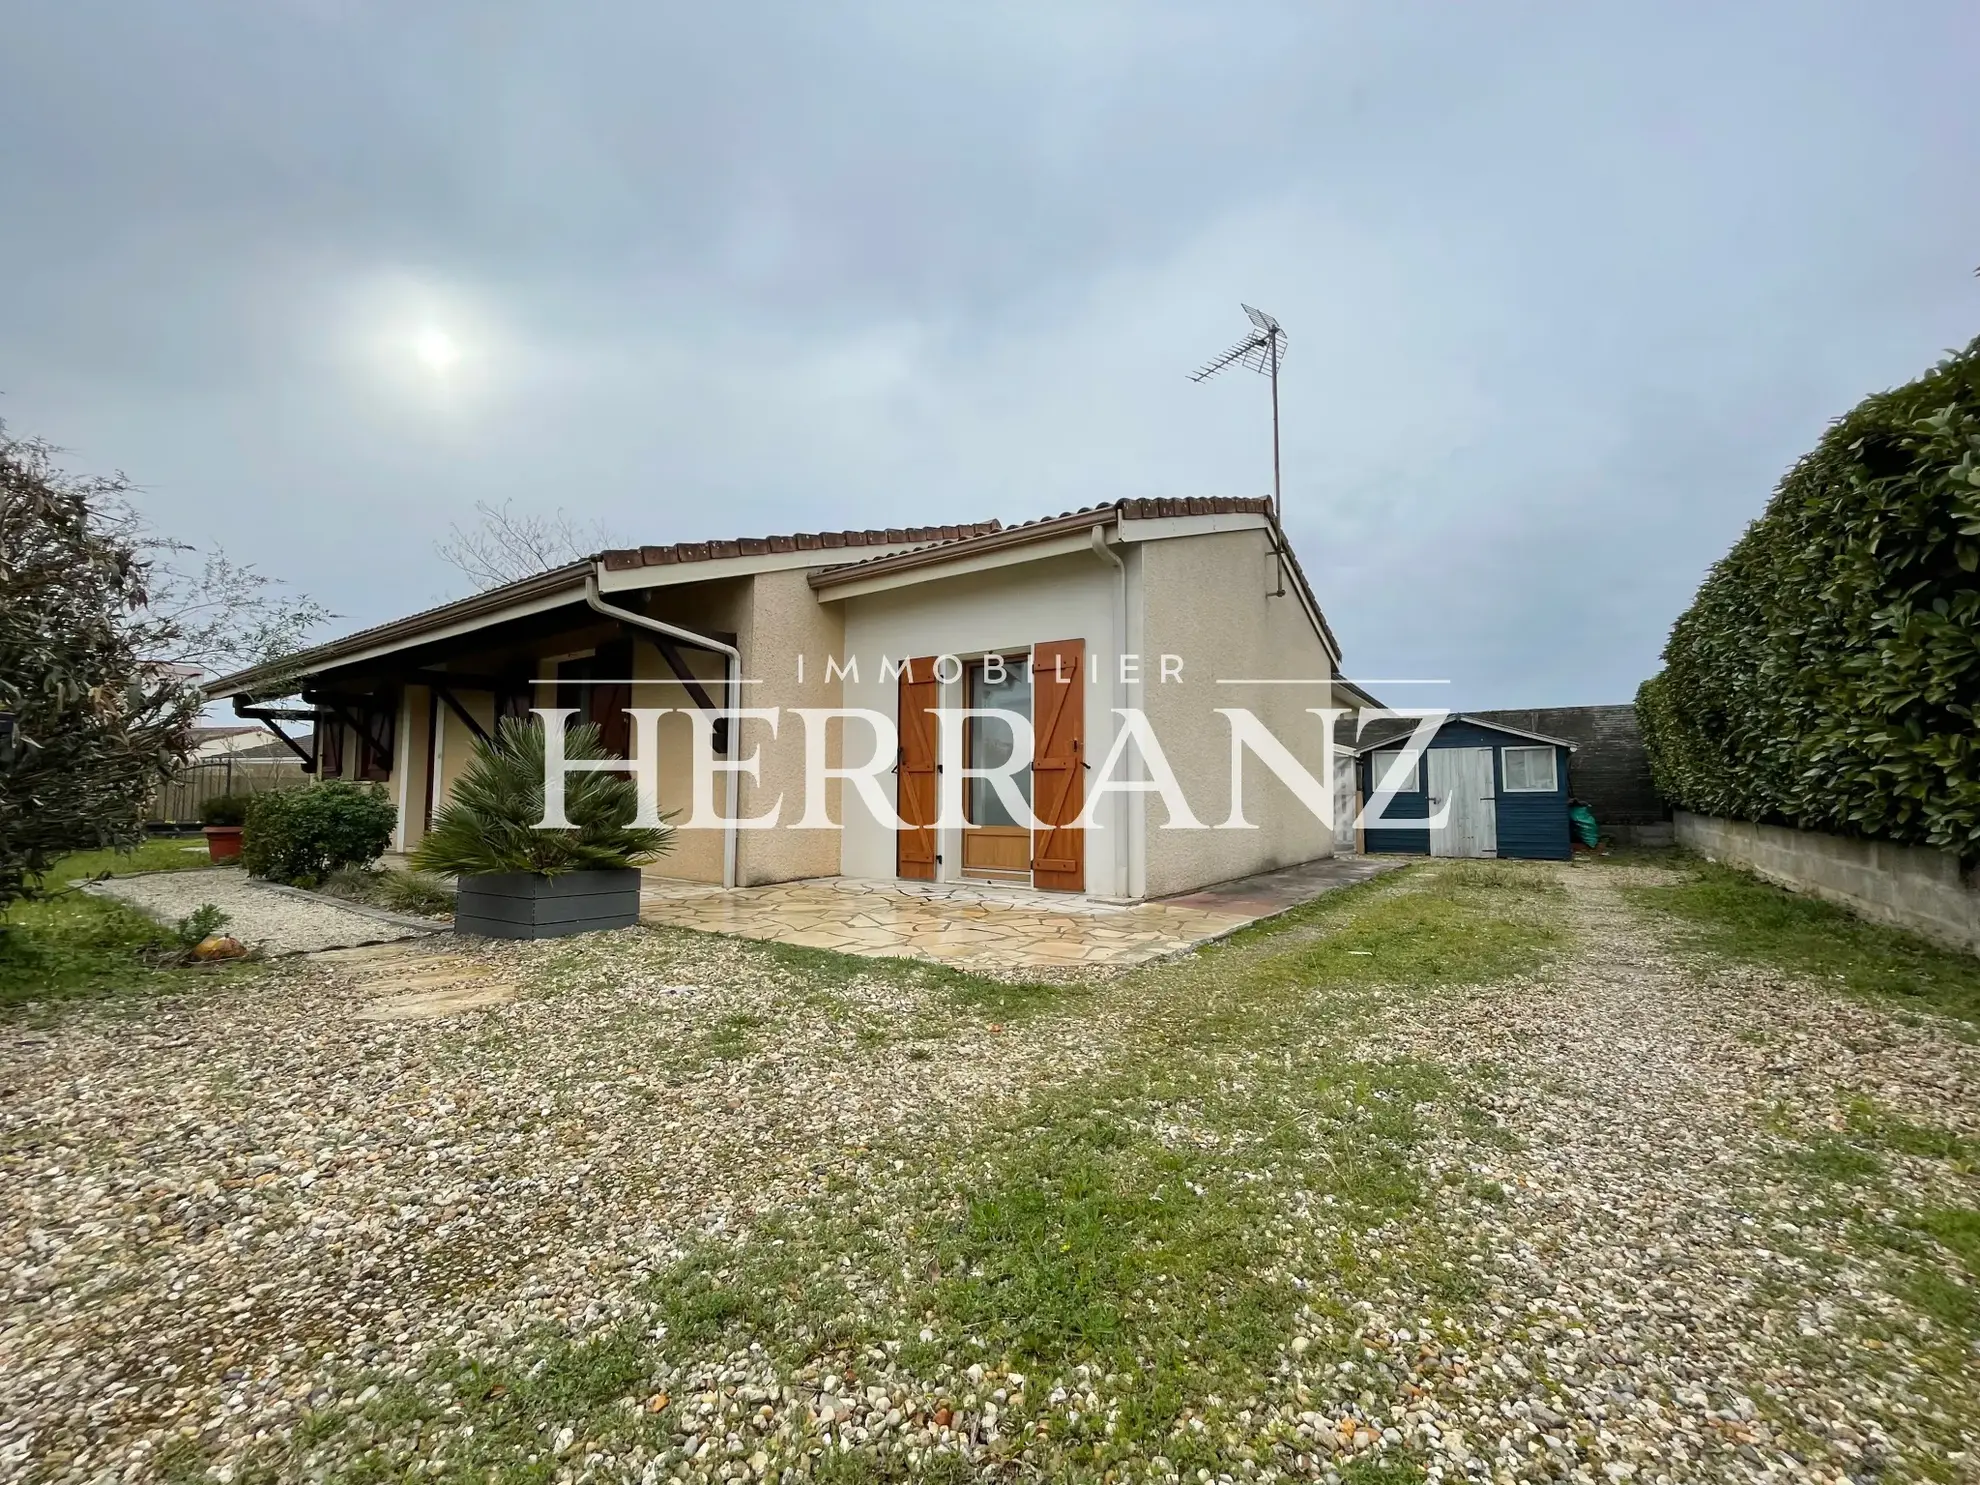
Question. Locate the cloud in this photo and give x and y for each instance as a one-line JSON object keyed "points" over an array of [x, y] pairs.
{"points": [[1567, 288]]}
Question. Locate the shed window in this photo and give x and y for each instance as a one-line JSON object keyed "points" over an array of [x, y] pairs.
{"points": [[1530, 770], [1389, 774]]}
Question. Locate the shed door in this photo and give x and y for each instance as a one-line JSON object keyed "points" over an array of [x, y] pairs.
{"points": [[1058, 764], [1345, 796], [1464, 777], [915, 788]]}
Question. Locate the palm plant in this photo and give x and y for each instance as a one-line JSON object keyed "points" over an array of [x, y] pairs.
{"points": [[489, 825]]}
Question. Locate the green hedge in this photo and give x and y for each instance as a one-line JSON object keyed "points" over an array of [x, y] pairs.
{"points": [[1827, 673], [300, 836]]}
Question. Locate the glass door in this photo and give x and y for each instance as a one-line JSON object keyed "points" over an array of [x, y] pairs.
{"points": [[996, 845]]}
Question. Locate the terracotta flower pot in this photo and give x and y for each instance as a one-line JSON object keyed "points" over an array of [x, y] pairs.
{"points": [[223, 842]]}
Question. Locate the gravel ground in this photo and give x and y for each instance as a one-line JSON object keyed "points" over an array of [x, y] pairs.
{"points": [[260, 916], [1664, 1292], [221, 1211], [215, 1212]]}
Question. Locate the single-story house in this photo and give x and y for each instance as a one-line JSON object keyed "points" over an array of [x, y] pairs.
{"points": [[1506, 788], [1176, 607]]}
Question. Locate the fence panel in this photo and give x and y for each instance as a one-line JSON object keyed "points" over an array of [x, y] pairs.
{"points": [[180, 801]]}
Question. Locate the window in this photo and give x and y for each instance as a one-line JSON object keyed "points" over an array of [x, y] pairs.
{"points": [[1005, 685], [1390, 776], [1529, 770]]}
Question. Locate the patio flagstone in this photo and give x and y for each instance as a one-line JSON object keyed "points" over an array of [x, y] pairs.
{"points": [[989, 926]]}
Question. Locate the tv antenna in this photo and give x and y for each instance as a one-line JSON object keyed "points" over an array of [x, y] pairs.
{"points": [[1263, 350]]}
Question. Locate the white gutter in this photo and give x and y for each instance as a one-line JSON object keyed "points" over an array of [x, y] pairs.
{"points": [[732, 690], [1124, 874]]}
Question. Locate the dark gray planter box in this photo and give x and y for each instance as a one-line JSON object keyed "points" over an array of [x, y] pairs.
{"points": [[521, 904]]}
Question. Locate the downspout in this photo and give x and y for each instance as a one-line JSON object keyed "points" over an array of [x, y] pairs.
{"points": [[1123, 868], [732, 689]]}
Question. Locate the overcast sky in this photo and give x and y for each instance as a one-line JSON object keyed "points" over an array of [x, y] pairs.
{"points": [[1568, 286]]}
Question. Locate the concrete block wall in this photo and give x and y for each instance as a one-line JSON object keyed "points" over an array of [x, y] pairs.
{"points": [[1910, 887], [1611, 768]]}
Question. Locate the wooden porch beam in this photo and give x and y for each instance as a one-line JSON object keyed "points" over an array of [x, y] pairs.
{"points": [[458, 710], [272, 718]]}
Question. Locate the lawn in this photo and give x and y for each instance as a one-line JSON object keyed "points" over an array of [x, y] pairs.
{"points": [[74, 944], [1736, 915]]}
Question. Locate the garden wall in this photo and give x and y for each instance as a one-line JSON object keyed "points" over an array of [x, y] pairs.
{"points": [[1912, 887]]}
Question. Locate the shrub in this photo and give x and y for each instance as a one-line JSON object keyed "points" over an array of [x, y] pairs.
{"points": [[199, 925], [1827, 674], [489, 826], [224, 809], [415, 892], [400, 891], [301, 835]]}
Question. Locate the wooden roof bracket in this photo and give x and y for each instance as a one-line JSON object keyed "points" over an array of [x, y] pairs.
{"points": [[272, 718]]}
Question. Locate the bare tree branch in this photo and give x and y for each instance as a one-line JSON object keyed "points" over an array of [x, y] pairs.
{"points": [[503, 544]]}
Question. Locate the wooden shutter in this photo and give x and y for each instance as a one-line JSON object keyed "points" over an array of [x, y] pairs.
{"points": [[375, 745], [915, 772], [611, 694], [1058, 764], [329, 746], [515, 698]]}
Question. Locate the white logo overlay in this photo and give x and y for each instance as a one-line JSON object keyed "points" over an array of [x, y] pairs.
{"points": [[1135, 763]]}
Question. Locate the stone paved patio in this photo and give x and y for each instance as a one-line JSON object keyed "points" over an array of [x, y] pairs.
{"points": [[989, 926]]}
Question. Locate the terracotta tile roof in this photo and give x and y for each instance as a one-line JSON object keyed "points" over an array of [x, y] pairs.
{"points": [[801, 541], [919, 540], [995, 535]]}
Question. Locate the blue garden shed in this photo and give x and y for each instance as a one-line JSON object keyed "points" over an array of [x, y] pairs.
{"points": [[1507, 792]]}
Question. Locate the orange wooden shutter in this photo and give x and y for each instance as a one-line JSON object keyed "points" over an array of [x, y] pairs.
{"points": [[914, 846], [1058, 764]]}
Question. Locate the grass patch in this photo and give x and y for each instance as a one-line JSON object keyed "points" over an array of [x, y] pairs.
{"points": [[1869, 1123], [1737, 916], [1835, 1162], [826, 972], [74, 945], [734, 1035]]}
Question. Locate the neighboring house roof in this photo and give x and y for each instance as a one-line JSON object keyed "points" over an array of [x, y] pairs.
{"points": [[924, 543], [274, 750], [1388, 731], [1357, 694]]}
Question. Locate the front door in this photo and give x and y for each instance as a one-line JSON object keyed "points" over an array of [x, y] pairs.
{"points": [[1463, 777], [1058, 764], [914, 772]]}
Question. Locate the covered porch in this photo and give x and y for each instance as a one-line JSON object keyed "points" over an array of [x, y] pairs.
{"points": [[404, 706]]}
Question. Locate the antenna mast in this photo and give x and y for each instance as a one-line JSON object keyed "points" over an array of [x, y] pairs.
{"points": [[1262, 350]]}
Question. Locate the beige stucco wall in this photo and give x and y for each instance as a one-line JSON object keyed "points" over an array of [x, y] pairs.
{"points": [[1004, 609], [1205, 598], [412, 749], [455, 740], [787, 621], [694, 854]]}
